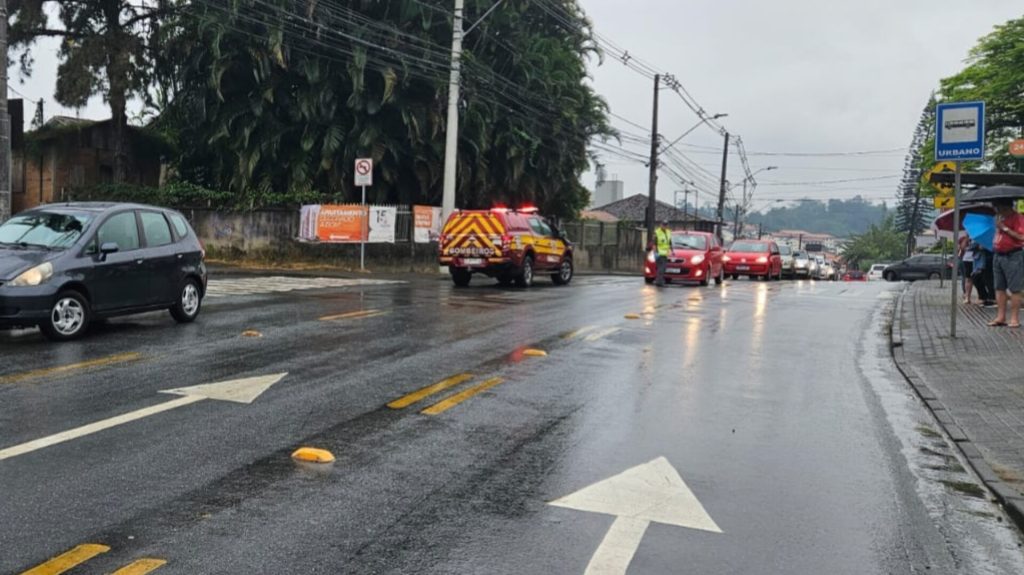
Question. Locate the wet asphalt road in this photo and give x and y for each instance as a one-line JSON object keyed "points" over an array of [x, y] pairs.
{"points": [[776, 403]]}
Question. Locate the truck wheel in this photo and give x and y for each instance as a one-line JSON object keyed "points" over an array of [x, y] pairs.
{"points": [[461, 277], [564, 274], [525, 277]]}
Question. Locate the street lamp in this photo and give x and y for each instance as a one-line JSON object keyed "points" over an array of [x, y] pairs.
{"points": [[740, 222], [686, 133]]}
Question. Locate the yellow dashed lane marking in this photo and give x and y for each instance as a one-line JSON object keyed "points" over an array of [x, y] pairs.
{"points": [[62, 369], [69, 560], [354, 315], [141, 567], [440, 386], [446, 404]]}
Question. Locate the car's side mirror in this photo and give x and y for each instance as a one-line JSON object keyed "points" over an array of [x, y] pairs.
{"points": [[108, 248]]}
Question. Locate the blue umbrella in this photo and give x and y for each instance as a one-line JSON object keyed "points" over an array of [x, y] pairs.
{"points": [[981, 228]]}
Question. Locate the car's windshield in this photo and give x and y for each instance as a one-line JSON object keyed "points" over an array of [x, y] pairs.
{"points": [[877, 267], [44, 229], [800, 255], [785, 250], [689, 242], [755, 247]]}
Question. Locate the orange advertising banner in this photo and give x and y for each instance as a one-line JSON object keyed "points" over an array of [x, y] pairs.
{"points": [[346, 223]]}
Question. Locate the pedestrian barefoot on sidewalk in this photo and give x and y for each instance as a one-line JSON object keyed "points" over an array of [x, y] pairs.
{"points": [[1009, 264]]}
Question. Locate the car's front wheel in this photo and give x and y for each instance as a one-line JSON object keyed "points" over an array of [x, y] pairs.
{"points": [[190, 301], [890, 276], [69, 317]]}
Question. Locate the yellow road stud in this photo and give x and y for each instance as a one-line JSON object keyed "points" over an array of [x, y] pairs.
{"points": [[313, 455], [251, 333], [535, 353], [632, 316]]}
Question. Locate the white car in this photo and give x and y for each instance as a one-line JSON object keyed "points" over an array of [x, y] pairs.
{"points": [[876, 271]]}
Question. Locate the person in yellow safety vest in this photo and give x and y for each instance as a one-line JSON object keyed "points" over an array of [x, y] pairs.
{"points": [[663, 245]]}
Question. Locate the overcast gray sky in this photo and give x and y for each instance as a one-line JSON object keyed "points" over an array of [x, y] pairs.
{"points": [[809, 76], [794, 76]]}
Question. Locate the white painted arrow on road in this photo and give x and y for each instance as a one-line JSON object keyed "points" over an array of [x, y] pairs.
{"points": [[652, 492], [237, 391]]}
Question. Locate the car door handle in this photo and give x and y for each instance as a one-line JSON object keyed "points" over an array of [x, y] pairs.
{"points": [[140, 262], [181, 256]]}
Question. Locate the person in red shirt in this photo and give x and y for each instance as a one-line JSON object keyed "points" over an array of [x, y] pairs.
{"points": [[1009, 263]]}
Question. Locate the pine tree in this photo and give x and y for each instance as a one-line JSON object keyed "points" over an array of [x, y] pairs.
{"points": [[913, 210]]}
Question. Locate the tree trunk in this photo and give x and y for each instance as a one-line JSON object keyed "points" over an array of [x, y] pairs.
{"points": [[119, 117]]}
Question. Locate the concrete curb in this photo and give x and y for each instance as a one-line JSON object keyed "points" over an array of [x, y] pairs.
{"points": [[1011, 500]]}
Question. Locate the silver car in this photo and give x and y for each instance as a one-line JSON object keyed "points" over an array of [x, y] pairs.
{"points": [[788, 261], [803, 265]]}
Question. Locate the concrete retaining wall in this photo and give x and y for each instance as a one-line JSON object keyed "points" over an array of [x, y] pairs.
{"points": [[269, 237]]}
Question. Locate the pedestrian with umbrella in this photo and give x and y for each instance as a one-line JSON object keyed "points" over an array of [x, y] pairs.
{"points": [[1008, 265], [981, 228]]}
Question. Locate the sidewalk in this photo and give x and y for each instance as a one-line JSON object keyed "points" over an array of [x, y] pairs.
{"points": [[974, 384]]}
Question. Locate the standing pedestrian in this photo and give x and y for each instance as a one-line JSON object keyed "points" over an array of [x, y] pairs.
{"points": [[663, 247], [982, 276], [1008, 264], [967, 267]]}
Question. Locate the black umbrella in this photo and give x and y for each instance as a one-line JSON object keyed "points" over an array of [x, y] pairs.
{"points": [[993, 193]]}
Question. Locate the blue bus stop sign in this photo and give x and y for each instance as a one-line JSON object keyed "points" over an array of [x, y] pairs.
{"points": [[960, 131]]}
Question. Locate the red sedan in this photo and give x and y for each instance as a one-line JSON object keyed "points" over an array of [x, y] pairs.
{"points": [[754, 258], [695, 257], [855, 276]]}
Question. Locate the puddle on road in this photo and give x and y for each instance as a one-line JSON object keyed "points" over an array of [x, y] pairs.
{"points": [[977, 535]]}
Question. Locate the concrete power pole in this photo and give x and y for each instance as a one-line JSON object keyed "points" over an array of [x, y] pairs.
{"points": [[721, 191], [653, 183], [451, 148], [5, 124]]}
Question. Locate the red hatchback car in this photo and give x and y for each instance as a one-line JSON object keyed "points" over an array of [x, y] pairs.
{"points": [[754, 258], [695, 257]]}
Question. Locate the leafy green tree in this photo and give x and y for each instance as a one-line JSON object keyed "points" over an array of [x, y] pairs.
{"points": [[915, 208], [995, 74], [108, 48], [882, 242], [282, 96]]}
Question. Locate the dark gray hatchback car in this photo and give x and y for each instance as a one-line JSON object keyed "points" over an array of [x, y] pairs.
{"points": [[64, 265]]}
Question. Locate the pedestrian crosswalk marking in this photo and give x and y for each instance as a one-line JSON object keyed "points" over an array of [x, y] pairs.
{"points": [[277, 284]]}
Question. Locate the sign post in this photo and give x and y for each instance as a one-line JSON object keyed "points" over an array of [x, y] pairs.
{"points": [[364, 177], [959, 136]]}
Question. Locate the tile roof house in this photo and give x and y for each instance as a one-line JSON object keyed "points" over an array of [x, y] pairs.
{"points": [[634, 210]]}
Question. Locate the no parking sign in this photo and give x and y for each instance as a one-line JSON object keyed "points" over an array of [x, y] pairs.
{"points": [[364, 172]]}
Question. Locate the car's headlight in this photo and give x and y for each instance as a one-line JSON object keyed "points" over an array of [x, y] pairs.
{"points": [[762, 260], [34, 276], [697, 259], [726, 259], [650, 256]]}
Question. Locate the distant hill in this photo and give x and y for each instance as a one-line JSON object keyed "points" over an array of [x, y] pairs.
{"points": [[841, 218]]}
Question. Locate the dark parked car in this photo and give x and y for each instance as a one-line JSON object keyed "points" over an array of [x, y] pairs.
{"points": [[919, 267], [64, 265]]}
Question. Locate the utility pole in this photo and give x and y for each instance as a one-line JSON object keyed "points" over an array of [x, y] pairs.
{"points": [[451, 147], [760, 230], [721, 191], [653, 184], [5, 124]]}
